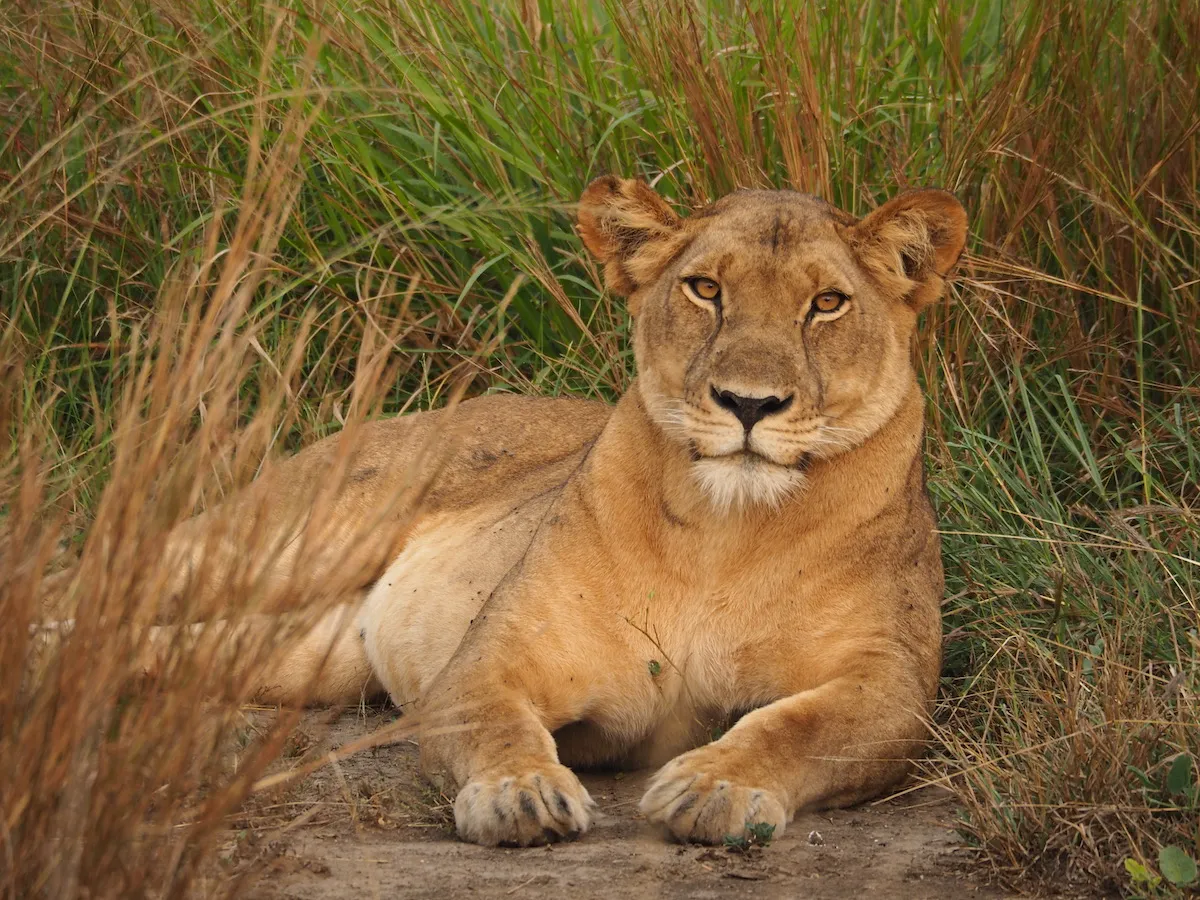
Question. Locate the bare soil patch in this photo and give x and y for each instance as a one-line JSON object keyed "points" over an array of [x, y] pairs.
{"points": [[371, 827]]}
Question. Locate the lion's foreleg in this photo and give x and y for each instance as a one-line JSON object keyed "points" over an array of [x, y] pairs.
{"points": [[487, 727], [833, 745]]}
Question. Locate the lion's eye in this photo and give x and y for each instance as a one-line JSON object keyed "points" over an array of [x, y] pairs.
{"points": [[705, 288], [829, 302]]}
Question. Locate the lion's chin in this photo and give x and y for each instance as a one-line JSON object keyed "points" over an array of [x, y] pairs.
{"points": [[741, 480]]}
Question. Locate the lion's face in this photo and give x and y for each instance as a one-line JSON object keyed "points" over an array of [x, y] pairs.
{"points": [[771, 328]]}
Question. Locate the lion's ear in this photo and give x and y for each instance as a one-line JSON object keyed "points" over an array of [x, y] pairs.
{"points": [[630, 229], [911, 243]]}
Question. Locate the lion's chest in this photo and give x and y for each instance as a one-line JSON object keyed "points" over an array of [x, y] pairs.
{"points": [[708, 652]]}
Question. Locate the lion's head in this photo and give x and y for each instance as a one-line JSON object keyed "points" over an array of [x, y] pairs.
{"points": [[771, 328]]}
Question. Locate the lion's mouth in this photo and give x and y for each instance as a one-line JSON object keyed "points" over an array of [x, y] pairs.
{"points": [[751, 458]]}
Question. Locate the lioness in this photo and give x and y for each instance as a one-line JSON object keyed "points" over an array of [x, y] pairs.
{"points": [[744, 541]]}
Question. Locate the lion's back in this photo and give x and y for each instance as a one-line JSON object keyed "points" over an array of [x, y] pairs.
{"points": [[483, 449]]}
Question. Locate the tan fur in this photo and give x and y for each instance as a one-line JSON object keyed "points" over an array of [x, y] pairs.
{"points": [[588, 585]]}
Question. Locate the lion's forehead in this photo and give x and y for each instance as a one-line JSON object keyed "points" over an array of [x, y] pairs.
{"points": [[784, 245], [755, 202]]}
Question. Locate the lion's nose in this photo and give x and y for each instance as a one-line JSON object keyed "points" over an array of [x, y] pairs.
{"points": [[749, 410]]}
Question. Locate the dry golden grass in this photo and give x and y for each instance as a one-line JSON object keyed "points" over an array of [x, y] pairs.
{"points": [[115, 784]]}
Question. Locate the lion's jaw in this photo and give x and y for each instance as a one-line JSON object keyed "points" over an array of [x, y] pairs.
{"points": [[744, 480]]}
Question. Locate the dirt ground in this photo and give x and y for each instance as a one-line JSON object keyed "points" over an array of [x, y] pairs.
{"points": [[369, 827]]}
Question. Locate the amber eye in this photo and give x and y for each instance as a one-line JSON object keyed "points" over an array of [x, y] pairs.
{"points": [[829, 302], [705, 288]]}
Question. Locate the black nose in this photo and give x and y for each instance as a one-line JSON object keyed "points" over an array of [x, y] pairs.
{"points": [[749, 410]]}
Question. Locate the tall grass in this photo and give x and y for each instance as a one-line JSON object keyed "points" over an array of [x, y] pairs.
{"points": [[437, 148]]}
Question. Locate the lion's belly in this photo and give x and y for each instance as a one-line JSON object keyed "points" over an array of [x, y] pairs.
{"points": [[415, 616]]}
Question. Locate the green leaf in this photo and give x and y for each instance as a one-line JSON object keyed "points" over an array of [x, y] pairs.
{"points": [[1141, 776], [1177, 867], [761, 833], [1139, 874], [736, 843], [1179, 776]]}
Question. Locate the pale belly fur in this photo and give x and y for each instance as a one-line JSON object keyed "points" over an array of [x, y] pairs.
{"points": [[415, 616]]}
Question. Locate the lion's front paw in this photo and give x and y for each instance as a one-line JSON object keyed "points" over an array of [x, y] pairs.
{"points": [[523, 810], [697, 801]]}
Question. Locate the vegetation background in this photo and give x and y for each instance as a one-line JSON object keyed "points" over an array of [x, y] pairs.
{"points": [[229, 227]]}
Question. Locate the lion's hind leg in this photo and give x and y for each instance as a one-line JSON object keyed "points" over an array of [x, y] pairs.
{"points": [[274, 658]]}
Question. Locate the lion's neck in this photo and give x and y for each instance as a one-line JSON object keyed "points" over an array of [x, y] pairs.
{"points": [[641, 478]]}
